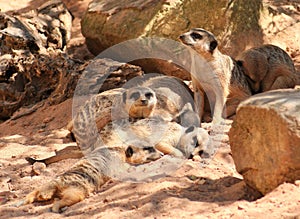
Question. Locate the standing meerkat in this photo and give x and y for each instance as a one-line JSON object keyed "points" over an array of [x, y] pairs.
{"points": [[268, 67], [232, 87]]}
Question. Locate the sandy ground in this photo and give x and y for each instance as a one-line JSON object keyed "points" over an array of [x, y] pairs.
{"points": [[215, 190]]}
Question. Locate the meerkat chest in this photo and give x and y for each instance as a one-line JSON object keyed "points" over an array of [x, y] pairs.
{"points": [[223, 67], [142, 132]]}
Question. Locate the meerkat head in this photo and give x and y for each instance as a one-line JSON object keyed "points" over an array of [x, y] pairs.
{"points": [[140, 155], [193, 142], [202, 41], [187, 117], [139, 102]]}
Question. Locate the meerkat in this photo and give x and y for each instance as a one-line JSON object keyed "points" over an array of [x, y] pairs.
{"points": [[88, 175], [129, 142], [268, 67], [172, 94], [231, 84]]}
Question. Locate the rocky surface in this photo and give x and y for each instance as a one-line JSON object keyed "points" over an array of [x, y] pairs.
{"points": [[34, 65], [32, 61], [265, 139]]}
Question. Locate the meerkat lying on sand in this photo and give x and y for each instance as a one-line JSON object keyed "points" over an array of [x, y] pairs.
{"points": [[88, 175], [134, 138]]}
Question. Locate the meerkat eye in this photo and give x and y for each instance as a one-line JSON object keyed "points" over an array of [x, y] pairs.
{"points": [[129, 152], [148, 95], [195, 141], [135, 95], [196, 36], [149, 149]]}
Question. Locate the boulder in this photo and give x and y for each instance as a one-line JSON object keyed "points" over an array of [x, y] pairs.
{"points": [[32, 59], [265, 139]]}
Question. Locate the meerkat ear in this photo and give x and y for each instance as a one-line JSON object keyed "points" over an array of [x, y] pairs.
{"points": [[213, 45], [239, 62], [124, 96], [176, 119]]}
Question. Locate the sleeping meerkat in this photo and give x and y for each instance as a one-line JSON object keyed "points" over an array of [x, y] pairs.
{"points": [[133, 142], [88, 175], [268, 67], [233, 84]]}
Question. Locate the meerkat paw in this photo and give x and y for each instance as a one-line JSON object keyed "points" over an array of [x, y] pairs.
{"points": [[44, 193], [69, 196]]}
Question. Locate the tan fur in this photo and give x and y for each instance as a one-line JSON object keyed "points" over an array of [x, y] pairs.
{"points": [[269, 67], [232, 83]]}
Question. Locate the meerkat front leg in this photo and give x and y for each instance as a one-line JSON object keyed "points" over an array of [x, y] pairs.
{"points": [[166, 148], [199, 103], [43, 193], [218, 109]]}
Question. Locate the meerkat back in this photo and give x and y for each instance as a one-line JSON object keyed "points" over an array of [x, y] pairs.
{"points": [[268, 67]]}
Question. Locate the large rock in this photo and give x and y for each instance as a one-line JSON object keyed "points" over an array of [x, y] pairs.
{"points": [[33, 64], [265, 139], [109, 22]]}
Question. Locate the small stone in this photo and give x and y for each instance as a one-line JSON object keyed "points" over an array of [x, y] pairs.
{"points": [[38, 168]]}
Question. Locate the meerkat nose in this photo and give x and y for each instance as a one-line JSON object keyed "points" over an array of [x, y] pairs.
{"points": [[181, 37], [143, 101]]}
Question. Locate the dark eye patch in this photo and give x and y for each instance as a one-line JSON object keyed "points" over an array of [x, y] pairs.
{"points": [[135, 96], [149, 149], [196, 36], [149, 95], [195, 141], [129, 152], [190, 129]]}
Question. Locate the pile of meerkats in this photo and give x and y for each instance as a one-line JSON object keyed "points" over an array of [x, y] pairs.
{"points": [[148, 112]]}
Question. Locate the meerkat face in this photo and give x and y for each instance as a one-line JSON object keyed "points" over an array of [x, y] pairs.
{"points": [[193, 142], [202, 41], [139, 102], [140, 155]]}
